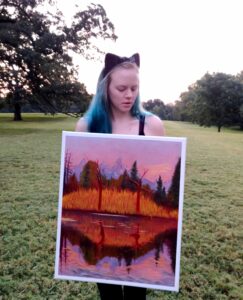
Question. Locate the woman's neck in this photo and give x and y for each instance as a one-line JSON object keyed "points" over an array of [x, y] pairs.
{"points": [[120, 117], [124, 123]]}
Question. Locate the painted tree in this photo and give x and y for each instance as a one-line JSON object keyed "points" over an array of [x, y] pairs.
{"points": [[73, 184], [136, 235], [125, 180], [147, 191], [91, 177], [160, 194], [100, 184], [67, 171], [138, 185], [133, 176], [173, 193], [102, 234], [85, 181]]}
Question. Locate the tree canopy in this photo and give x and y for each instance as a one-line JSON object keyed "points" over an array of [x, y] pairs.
{"points": [[36, 47], [157, 106], [214, 100]]}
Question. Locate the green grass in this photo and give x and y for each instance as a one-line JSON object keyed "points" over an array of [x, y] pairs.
{"points": [[211, 258]]}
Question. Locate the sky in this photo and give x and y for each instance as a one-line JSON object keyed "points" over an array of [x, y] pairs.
{"points": [[178, 42], [157, 158]]}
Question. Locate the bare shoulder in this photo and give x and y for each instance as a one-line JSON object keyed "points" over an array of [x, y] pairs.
{"points": [[81, 125], [154, 126]]}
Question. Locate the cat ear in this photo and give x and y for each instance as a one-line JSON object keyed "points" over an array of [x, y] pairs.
{"points": [[111, 60], [136, 59]]}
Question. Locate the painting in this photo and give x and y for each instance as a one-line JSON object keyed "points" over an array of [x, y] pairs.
{"points": [[120, 209]]}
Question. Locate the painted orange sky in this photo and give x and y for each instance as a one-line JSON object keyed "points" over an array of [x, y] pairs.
{"points": [[157, 156]]}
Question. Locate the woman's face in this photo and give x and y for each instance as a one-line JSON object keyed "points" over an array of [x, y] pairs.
{"points": [[123, 89]]}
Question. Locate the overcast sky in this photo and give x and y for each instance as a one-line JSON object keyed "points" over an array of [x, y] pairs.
{"points": [[178, 41]]}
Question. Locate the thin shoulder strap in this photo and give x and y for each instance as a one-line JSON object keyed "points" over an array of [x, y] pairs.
{"points": [[141, 124]]}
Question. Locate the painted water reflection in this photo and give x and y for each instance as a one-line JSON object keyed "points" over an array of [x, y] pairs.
{"points": [[139, 249]]}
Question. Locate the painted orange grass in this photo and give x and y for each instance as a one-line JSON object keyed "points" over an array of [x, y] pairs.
{"points": [[123, 202]]}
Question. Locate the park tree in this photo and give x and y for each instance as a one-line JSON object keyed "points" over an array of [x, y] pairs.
{"points": [[157, 107], [176, 109], [240, 116], [170, 112], [186, 109], [214, 100], [36, 47]]}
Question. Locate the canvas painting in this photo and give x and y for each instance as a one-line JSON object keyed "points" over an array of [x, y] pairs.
{"points": [[120, 209]]}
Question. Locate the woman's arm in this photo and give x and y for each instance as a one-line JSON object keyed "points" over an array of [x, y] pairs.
{"points": [[81, 125], [154, 126]]}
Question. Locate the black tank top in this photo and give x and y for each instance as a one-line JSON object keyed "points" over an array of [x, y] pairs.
{"points": [[141, 125]]}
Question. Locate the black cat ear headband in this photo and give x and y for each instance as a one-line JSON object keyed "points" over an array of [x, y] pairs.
{"points": [[112, 60]]}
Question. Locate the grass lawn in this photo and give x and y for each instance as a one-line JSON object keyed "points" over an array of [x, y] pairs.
{"points": [[211, 258]]}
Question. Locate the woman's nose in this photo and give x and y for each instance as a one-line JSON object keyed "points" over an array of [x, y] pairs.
{"points": [[128, 93]]}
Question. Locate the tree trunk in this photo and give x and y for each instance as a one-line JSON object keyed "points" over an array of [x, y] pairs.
{"points": [[219, 128], [100, 197], [17, 112], [138, 198]]}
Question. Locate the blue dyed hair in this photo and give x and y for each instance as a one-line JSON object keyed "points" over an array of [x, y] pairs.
{"points": [[98, 116]]}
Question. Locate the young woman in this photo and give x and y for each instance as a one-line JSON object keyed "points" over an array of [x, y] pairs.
{"points": [[116, 109]]}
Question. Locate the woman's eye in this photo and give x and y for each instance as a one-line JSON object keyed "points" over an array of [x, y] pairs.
{"points": [[121, 89]]}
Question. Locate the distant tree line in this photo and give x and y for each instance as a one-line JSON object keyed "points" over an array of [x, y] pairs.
{"points": [[214, 100]]}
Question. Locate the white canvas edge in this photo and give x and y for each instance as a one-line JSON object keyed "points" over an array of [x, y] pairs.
{"points": [[59, 218], [180, 216], [124, 136], [117, 282], [182, 140]]}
